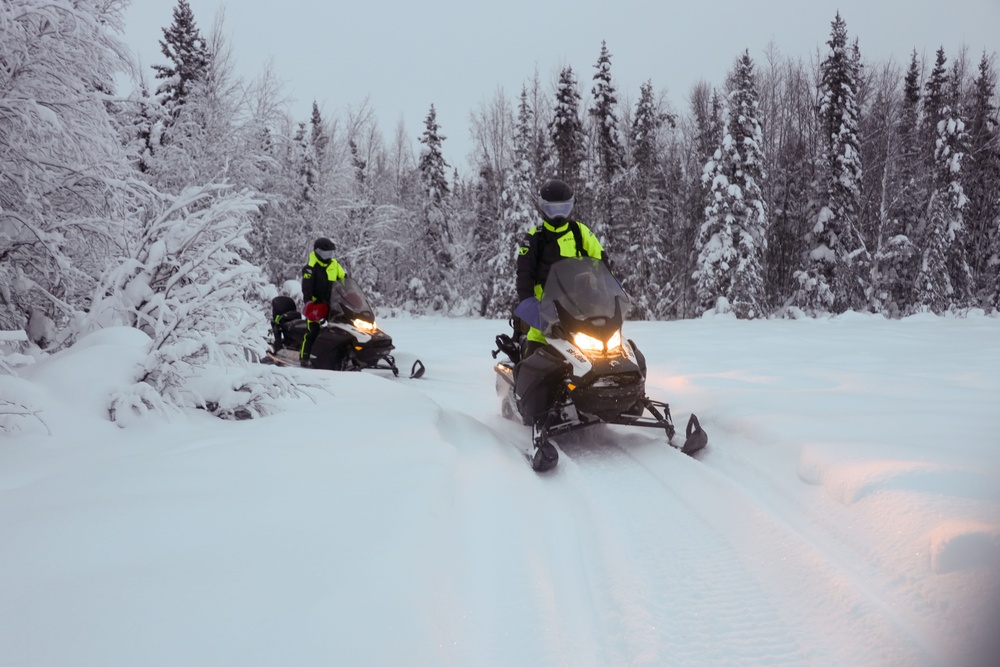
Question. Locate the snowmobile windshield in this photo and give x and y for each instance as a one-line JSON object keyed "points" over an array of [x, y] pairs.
{"points": [[581, 295], [348, 302]]}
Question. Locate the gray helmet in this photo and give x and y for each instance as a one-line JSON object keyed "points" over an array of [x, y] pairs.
{"points": [[555, 201], [324, 248]]}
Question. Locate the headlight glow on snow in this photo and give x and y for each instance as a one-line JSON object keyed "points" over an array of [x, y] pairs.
{"points": [[591, 344], [367, 327]]}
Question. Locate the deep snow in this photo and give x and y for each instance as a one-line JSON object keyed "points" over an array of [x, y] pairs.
{"points": [[846, 511]]}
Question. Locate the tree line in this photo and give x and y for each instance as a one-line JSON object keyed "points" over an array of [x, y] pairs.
{"points": [[792, 188]]}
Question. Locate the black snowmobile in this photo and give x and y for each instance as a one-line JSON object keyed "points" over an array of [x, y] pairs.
{"points": [[588, 373], [349, 339]]}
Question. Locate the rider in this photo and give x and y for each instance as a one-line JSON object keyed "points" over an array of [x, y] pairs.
{"points": [[559, 237], [318, 277]]}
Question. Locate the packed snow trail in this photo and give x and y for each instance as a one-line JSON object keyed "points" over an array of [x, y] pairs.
{"points": [[683, 552], [846, 511]]}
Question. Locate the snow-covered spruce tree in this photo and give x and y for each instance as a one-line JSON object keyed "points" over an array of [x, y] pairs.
{"points": [[187, 51], [63, 173], [206, 137], [183, 281], [566, 133], [836, 268], [944, 279], [684, 159], [435, 216], [604, 112], [640, 252], [981, 182], [733, 237], [608, 160]]}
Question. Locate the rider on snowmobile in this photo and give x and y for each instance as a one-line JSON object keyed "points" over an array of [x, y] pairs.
{"points": [[559, 237], [318, 277]]}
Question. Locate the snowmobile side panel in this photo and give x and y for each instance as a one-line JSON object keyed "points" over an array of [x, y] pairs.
{"points": [[538, 381]]}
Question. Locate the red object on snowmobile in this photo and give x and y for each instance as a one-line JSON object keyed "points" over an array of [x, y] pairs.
{"points": [[315, 312]]}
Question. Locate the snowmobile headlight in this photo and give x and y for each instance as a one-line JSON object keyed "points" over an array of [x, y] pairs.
{"points": [[590, 344], [367, 327], [615, 341]]}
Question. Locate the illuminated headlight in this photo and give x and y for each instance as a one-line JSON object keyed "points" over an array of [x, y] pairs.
{"points": [[367, 327], [615, 341], [591, 344]]}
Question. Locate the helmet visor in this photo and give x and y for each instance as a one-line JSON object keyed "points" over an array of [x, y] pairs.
{"points": [[325, 255], [556, 209]]}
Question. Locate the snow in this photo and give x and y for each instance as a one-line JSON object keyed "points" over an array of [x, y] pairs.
{"points": [[846, 511]]}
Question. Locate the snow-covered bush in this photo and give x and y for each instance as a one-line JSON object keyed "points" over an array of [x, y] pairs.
{"points": [[185, 283], [18, 411]]}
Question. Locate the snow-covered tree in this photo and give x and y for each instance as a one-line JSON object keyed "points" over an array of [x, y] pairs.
{"points": [[183, 281], [608, 157], [944, 279], [518, 211], [642, 236], [566, 131], [981, 182], [604, 112], [788, 122], [435, 216], [835, 270], [733, 237], [187, 51], [63, 173], [904, 198], [503, 150]]}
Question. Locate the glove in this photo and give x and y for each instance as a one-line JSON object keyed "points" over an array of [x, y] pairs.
{"points": [[316, 312], [528, 311]]}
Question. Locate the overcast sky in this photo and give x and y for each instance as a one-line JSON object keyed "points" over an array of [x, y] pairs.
{"points": [[405, 55]]}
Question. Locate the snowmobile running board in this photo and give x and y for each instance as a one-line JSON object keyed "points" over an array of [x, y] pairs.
{"points": [[291, 359]]}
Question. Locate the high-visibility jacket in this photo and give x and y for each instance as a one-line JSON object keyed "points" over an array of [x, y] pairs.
{"points": [[541, 248], [318, 278]]}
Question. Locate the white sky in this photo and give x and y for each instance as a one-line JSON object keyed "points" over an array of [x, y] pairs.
{"points": [[845, 512], [407, 55]]}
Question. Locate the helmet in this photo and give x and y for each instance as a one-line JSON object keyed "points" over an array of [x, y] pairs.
{"points": [[324, 248], [555, 201]]}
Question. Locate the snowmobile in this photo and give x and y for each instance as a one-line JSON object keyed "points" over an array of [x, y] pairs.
{"points": [[348, 340], [587, 373]]}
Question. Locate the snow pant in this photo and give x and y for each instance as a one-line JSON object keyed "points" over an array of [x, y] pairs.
{"points": [[312, 332]]}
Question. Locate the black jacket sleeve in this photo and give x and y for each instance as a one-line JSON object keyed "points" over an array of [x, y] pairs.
{"points": [[527, 267], [308, 283]]}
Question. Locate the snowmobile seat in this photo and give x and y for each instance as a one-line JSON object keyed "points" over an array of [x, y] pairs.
{"points": [[283, 312], [281, 305]]}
